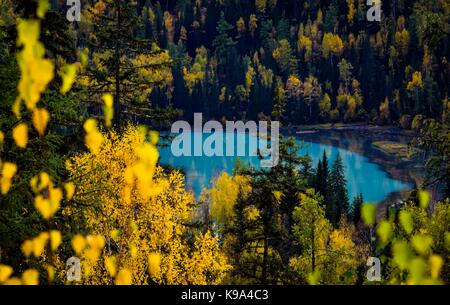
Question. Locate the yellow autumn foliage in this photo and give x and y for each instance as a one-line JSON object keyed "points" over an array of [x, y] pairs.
{"points": [[134, 204], [223, 194]]}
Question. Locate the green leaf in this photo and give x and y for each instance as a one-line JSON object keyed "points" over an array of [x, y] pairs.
{"points": [[368, 212]]}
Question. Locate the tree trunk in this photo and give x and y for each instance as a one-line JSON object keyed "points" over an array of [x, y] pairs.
{"points": [[117, 106]]}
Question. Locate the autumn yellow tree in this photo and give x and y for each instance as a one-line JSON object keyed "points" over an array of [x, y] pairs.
{"points": [[222, 197], [328, 256], [142, 212], [332, 45]]}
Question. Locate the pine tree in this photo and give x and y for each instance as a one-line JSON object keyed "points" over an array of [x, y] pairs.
{"points": [[331, 17], [223, 42], [321, 179], [307, 171], [356, 208], [338, 192], [127, 66]]}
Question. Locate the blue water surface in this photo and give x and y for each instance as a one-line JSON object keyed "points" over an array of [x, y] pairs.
{"points": [[362, 175]]}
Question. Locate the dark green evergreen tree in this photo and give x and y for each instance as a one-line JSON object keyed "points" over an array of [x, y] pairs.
{"points": [[222, 43], [322, 178], [114, 37], [338, 192], [356, 209]]}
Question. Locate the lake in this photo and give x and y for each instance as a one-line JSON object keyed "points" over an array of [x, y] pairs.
{"points": [[362, 175]]}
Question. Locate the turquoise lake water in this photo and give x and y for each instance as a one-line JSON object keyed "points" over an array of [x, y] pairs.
{"points": [[362, 175]]}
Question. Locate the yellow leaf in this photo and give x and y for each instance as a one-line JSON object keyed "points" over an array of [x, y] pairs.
{"points": [[401, 253], [108, 109], [84, 56], [8, 172], [95, 241], [68, 76], [424, 199], [421, 243], [124, 277], [384, 231], [94, 139], [78, 244], [28, 31], [154, 264], [2, 137], [314, 278], [111, 265], [40, 120], [154, 137], [90, 125], [47, 208], [368, 212], [33, 184], [436, 263], [13, 281], [55, 239], [30, 277], [41, 73], [45, 181], [148, 154], [92, 254], [5, 272], [20, 135], [16, 107], [43, 7], [406, 221], [50, 273], [39, 244], [27, 247], [417, 269], [108, 100], [70, 190], [56, 196]]}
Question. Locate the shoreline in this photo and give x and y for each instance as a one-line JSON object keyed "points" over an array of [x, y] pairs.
{"points": [[367, 134], [360, 138]]}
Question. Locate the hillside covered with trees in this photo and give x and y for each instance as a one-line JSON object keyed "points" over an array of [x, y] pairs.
{"points": [[299, 61]]}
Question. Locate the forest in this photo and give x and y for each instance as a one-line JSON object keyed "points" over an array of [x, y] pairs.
{"points": [[86, 103]]}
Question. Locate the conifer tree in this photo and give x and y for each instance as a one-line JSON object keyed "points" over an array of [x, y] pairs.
{"points": [[223, 42], [322, 178], [338, 190], [123, 64], [356, 208]]}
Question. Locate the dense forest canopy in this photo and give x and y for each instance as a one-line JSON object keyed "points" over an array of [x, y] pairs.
{"points": [[300, 61]]}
